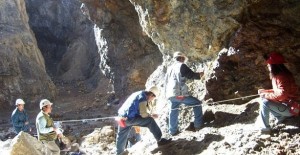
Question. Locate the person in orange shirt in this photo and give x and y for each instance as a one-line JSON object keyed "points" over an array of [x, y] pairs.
{"points": [[284, 90]]}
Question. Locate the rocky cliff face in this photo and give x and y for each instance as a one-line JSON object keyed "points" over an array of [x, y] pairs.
{"points": [[131, 42], [66, 39], [22, 69], [225, 38], [127, 55], [128, 40]]}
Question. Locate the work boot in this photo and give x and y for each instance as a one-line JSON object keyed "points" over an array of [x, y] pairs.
{"points": [[192, 128], [176, 133], [163, 141]]}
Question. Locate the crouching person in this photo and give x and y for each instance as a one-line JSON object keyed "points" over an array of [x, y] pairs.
{"points": [[279, 100], [19, 117], [134, 112], [47, 132]]}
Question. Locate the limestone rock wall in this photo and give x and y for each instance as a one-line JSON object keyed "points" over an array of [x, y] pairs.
{"points": [[22, 68]]}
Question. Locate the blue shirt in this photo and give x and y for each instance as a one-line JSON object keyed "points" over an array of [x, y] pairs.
{"points": [[18, 119]]}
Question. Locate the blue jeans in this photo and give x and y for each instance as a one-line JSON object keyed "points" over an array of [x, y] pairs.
{"points": [[122, 135], [173, 116], [279, 110]]}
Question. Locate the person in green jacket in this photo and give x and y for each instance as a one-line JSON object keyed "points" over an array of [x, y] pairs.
{"points": [[47, 132]]}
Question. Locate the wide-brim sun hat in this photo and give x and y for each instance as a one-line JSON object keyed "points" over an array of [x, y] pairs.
{"points": [[19, 101], [154, 90], [44, 102]]}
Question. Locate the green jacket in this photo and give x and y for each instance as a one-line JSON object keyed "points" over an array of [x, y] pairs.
{"points": [[44, 126]]}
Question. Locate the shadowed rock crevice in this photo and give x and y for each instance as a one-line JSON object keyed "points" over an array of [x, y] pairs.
{"points": [[127, 55], [66, 39]]}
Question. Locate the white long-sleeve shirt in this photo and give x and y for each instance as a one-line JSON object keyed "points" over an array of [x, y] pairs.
{"points": [[41, 123]]}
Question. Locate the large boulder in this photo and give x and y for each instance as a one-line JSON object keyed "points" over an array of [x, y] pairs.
{"points": [[100, 141], [23, 143]]}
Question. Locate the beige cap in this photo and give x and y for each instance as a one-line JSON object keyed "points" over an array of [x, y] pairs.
{"points": [[19, 101], [44, 102], [178, 54], [154, 90]]}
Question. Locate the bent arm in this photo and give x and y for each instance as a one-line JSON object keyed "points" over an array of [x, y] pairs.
{"points": [[42, 126], [188, 73], [281, 90]]}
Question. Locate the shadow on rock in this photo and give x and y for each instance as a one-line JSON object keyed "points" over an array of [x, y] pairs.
{"points": [[221, 119], [187, 147]]}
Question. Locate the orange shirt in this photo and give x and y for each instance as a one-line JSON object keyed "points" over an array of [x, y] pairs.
{"points": [[284, 88], [137, 129]]}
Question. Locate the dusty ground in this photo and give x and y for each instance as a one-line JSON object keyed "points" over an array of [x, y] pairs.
{"points": [[229, 129]]}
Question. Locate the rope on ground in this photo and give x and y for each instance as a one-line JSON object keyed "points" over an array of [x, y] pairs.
{"points": [[113, 117], [213, 103], [86, 120]]}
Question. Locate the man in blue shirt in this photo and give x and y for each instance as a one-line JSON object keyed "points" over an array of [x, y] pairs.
{"points": [[19, 117], [135, 112]]}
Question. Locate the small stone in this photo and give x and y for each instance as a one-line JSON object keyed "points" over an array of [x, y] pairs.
{"points": [[265, 137]]}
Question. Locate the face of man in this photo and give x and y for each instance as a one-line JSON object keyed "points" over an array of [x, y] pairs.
{"points": [[47, 109], [182, 59], [151, 97], [20, 107]]}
